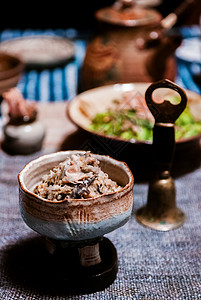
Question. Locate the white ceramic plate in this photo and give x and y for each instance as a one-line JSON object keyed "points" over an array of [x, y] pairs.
{"points": [[190, 50], [83, 108], [40, 51]]}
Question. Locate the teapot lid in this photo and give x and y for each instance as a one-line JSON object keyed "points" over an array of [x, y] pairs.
{"points": [[126, 13]]}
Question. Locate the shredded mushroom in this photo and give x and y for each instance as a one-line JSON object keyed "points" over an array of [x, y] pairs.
{"points": [[79, 177]]}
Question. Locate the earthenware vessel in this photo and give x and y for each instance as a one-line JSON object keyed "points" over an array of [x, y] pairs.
{"points": [[79, 223], [11, 69], [130, 45], [23, 130], [24, 138]]}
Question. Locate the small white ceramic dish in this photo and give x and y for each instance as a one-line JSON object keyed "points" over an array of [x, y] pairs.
{"points": [[75, 219], [24, 138]]}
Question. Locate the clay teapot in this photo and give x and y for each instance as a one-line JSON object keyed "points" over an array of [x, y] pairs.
{"points": [[132, 44]]}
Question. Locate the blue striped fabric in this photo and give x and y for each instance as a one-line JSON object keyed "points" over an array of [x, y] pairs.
{"points": [[57, 84], [190, 31], [185, 77], [61, 84]]}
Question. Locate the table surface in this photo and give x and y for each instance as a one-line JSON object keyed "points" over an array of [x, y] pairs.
{"points": [[151, 264]]}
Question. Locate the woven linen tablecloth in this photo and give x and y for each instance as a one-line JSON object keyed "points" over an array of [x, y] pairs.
{"points": [[152, 264]]}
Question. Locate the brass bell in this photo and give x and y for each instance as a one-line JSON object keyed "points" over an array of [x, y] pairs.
{"points": [[161, 212]]}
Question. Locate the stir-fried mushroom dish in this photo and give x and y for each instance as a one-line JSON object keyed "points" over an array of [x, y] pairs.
{"points": [[78, 177]]}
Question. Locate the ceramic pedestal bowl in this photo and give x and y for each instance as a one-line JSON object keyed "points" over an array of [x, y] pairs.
{"points": [[79, 223]]}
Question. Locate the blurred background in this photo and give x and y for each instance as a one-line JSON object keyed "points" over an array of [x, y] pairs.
{"points": [[78, 14]]}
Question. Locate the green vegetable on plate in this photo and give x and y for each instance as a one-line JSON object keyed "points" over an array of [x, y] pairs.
{"points": [[128, 124]]}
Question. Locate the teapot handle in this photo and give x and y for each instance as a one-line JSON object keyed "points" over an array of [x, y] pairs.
{"points": [[154, 37], [123, 4], [170, 20]]}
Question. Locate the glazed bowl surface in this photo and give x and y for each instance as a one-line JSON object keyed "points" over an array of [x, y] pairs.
{"points": [[75, 219]]}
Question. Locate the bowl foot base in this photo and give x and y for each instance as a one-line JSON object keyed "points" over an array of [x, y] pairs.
{"points": [[84, 279]]}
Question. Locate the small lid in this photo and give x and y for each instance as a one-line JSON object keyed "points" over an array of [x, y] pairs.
{"points": [[126, 13]]}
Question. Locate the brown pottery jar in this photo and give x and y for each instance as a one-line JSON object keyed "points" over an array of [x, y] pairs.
{"points": [[130, 45]]}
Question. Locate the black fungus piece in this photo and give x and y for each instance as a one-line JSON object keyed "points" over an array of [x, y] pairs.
{"points": [[81, 189]]}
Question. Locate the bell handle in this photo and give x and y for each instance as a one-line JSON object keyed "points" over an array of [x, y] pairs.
{"points": [[165, 112]]}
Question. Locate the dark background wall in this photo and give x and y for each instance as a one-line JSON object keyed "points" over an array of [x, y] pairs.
{"points": [[71, 13]]}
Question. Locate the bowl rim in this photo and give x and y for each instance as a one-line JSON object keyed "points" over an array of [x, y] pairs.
{"points": [[151, 17], [69, 200], [115, 138], [34, 62], [18, 68]]}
